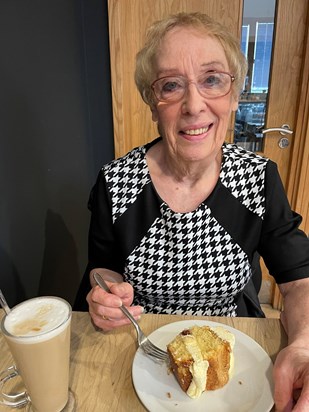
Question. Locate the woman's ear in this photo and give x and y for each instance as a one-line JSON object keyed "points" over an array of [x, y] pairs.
{"points": [[154, 113], [234, 104]]}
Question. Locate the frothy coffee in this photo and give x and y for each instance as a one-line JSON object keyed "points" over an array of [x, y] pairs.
{"points": [[38, 334], [36, 317]]}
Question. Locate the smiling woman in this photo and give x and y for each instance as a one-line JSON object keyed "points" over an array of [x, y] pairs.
{"points": [[180, 220]]}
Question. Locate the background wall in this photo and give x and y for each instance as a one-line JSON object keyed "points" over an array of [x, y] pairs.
{"points": [[55, 133]]}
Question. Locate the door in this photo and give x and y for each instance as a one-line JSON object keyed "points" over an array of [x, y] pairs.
{"points": [[287, 77], [273, 37], [133, 126]]}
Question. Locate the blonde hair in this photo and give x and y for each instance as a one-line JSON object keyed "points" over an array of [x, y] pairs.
{"points": [[145, 58]]}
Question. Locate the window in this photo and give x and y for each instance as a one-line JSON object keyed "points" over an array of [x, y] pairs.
{"points": [[262, 57], [256, 44], [245, 39]]}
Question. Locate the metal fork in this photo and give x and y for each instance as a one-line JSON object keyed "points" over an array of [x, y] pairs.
{"points": [[143, 342]]}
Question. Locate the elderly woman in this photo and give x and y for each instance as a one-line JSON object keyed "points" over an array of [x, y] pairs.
{"points": [[179, 221]]}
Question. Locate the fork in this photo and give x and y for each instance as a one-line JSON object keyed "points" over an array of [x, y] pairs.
{"points": [[143, 342]]}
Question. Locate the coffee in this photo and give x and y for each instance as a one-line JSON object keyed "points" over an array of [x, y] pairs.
{"points": [[38, 334]]}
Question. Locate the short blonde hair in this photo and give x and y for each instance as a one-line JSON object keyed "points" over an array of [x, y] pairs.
{"points": [[145, 58]]}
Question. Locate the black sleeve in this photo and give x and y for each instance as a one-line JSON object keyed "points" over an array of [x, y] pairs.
{"points": [[283, 246], [102, 250]]}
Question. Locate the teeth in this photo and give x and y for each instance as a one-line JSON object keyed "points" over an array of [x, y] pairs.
{"points": [[195, 132]]}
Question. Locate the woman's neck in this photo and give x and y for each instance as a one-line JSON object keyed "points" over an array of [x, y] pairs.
{"points": [[162, 161], [182, 185]]}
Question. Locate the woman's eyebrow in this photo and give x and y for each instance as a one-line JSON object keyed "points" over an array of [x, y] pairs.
{"points": [[213, 63], [168, 72], [174, 71]]}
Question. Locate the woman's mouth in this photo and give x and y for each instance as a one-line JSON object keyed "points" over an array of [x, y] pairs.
{"points": [[198, 132]]}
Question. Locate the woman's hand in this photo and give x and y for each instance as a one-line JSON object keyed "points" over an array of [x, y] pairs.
{"points": [[291, 376], [104, 307], [291, 369]]}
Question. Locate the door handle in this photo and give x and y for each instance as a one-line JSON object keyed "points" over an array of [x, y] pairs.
{"points": [[284, 129]]}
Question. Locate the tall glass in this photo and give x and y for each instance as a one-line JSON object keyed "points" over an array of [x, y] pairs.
{"points": [[37, 332]]}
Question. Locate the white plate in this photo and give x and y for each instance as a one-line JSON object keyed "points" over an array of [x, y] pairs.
{"points": [[250, 388]]}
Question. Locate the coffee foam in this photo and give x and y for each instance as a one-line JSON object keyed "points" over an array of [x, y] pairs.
{"points": [[37, 318]]}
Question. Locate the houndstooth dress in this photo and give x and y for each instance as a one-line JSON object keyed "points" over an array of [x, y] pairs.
{"points": [[195, 263]]}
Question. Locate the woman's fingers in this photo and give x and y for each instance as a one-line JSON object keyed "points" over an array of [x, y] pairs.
{"points": [[114, 320], [104, 307]]}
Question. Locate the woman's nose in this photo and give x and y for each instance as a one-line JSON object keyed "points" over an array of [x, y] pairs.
{"points": [[193, 101]]}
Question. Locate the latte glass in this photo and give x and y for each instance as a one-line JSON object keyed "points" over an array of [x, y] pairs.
{"points": [[37, 332]]}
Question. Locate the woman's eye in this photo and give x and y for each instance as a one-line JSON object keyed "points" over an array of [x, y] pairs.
{"points": [[212, 81], [170, 86]]}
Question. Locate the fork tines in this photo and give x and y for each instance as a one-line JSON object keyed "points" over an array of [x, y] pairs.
{"points": [[153, 351]]}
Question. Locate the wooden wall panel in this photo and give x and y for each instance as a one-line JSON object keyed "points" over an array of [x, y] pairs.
{"points": [[128, 21], [302, 199], [298, 188]]}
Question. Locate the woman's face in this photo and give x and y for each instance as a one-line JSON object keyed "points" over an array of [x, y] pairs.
{"points": [[195, 127]]}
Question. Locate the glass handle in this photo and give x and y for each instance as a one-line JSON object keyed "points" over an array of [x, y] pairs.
{"points": [[15, 400], [284, 129]]}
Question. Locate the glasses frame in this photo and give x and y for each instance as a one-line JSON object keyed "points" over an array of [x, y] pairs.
{"points": [[152, 86]]}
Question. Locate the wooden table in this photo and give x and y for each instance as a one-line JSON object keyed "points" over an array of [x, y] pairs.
{"points": [[101, 363]]}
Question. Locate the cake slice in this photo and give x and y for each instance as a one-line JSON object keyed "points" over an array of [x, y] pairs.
{"points": [[201, 358]]}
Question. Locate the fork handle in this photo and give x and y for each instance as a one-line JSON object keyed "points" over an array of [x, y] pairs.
{"points": [[101, 282]]}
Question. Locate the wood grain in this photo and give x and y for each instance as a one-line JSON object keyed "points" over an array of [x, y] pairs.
{"points": [[299, 183], [100, 374]]}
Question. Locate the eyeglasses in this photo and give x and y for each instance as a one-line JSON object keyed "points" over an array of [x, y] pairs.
{"points": [[171, 89]]}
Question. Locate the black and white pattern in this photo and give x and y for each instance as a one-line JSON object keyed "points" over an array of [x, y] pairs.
{"points": [[126, 178], [243, 173], [188, 263]]}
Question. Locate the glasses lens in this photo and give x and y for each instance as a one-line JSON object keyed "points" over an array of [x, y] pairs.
{"points": [[215, 84], [169, 88], [172, 89]]}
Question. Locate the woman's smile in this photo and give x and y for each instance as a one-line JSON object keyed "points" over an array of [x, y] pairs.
{"points": [[194, 134]]}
